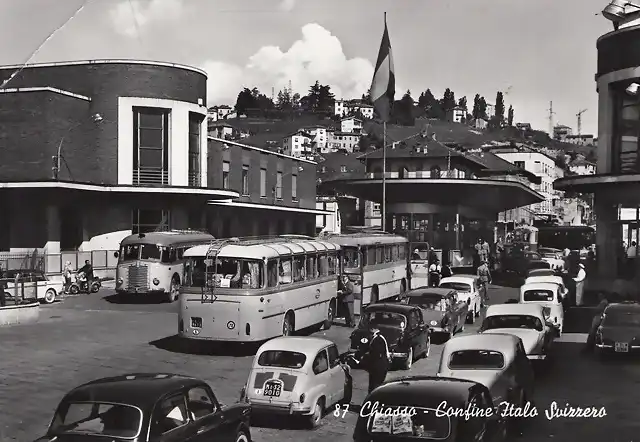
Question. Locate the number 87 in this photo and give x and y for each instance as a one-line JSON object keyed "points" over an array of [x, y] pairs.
{"points": [[341, 410]]}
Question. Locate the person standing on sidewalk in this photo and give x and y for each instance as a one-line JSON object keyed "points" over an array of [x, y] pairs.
{"points": [[595, 322], [484, 277]]}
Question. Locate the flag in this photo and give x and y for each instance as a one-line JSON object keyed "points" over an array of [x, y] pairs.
{"points": [[383, 85]]}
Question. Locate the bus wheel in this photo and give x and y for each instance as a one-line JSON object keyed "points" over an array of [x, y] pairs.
{"points": [[375, 294], [288, 324], [331, 312]]}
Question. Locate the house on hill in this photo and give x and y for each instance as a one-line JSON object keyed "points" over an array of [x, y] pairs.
{"points": [[581, 166], [222, 129], [299, 144], [457, 114], [342, 108]]}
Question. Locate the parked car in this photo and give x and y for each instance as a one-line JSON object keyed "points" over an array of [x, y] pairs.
{"points": [[542, 272], [467, 287], [553, 257], [525, 321], [300, 376], [47, 290], [444, 313], [425, 394], [498, 361], [402, 325], [549, 295], [554, 279], [145, 407], [619, 331]]}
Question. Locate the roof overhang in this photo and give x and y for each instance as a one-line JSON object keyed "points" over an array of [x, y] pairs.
{"points": [[271, 207], [591, 183], [485, 194]]}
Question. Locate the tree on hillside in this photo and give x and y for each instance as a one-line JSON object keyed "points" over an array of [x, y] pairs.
{"points": [[366, 98], [500, 107], [402, 112], [319, 98], [482, 108], [408, 98], [510, 116], [448, 101], [463, 103], [430, 105], [252, 99]]}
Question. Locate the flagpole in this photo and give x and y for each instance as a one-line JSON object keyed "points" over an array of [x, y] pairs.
{"points": [[384, 176]]}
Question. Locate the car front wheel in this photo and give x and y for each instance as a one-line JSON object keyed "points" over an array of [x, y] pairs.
{"points": [[243, 436]]}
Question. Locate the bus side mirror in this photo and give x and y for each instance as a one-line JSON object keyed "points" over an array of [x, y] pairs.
{"points": [[116, 254]]}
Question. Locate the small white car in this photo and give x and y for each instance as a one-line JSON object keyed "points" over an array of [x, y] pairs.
{"points": [[525, 321], [549, 296], [468, 291], [555, 279], [297, 376], [553, 257], [46, 290]]}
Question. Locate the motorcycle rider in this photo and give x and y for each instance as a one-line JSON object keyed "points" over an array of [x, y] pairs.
{"points": [[87, 271]]}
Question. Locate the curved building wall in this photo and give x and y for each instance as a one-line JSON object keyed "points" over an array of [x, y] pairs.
{"points": [[33, 124]]}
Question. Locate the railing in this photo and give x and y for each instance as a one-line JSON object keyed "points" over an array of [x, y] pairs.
{"points": [[194, 179], [54, 263], [150, 177], [450, 174]]}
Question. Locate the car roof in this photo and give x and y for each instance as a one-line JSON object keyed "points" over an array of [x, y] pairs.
{"points": [[540, 286], [142, 390], [627, 307], [423, 391], [300, 344], [459, 278], [390, 307], [542, 272], [543, 278], [485, 341], [515, 309], [429, 291]]}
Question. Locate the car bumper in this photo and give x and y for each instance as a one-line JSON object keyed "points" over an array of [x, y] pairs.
{"points": [[439, 330], [611, 347], [291, 409], [537, 357]]}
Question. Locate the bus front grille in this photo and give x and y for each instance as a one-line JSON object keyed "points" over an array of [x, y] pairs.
{"points": [[138, 278]]}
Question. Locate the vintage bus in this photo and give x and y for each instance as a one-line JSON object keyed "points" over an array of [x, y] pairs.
{"points": [[152, 263], [253, 289], [376, 263]]}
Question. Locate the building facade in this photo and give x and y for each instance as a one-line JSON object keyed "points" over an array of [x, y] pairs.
{"points": [[299, 144], [346, 141], [342, 108], [582, 167], [457, 115], [351, 125], [103, 146], [580, 140], [560, 132]]}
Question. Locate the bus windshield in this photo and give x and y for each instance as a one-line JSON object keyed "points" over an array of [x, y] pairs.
{"points": [[232, 273], [566, 237], [351, 259], [145, 252]]}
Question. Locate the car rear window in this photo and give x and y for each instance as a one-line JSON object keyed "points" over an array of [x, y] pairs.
{"points": [[457, 286], [423, 423], [476, 359], [539, 265], [282, 358], [384, 319], [97, 418], [538, 295], [621, 319]]}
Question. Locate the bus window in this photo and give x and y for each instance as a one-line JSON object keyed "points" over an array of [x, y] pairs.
{"points": [[379, 254], [150, 251], [323, 265], [331, 264], [272, 273], [180, 252], [387, 253], [298, 269], [169, 255], [394, 253], [130, 253], [402, 252], [351, 259], [284, 271], [252, 274], [371, 256], [312, 271]]}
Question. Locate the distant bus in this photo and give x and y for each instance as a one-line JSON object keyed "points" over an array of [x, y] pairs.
{"points": [[377, 264], [152, 263], [250, 290], [566, 237]]}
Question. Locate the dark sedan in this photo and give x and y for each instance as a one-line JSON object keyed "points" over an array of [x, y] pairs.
{"points": [[412, 409], [442, 310], [147, 407], [403, 327], [619, 331]]}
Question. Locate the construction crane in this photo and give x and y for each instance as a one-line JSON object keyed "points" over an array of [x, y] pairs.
{"points": [[551, 114], [579, 115]]}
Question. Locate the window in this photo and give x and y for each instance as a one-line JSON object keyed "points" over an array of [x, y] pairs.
{"points": [[200, 403], [195, 122], [519, 164], [334, 355], [323, 265], [331, 264], [435, 172], [245, 180], [294, 187], [272, 273], [98, 419], [312, 271], [150, 220], [299, 269], [279, 185], [284, 271], [229, 273], [263, 182], [626, 142], [225, 174], [169, 415], [151, 146], [321, 363]]}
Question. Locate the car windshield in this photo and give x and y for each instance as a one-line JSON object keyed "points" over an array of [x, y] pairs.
{"points": [[476, 359], [512, 321], [621, 319], [351, 259], [429, 302], [145, 252], [538, 295], [383, 319], [423, 424], [97, 418], [230, 273], [282, 358], [457, 286]]}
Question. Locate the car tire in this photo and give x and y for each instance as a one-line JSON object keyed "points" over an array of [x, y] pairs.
{"points": [[316, 417], [49, 296], [408, 362], [243, 436], [74, 289]]}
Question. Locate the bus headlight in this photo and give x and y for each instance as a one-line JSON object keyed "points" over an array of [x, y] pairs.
{"points": [[156, 281], [120, 281]]}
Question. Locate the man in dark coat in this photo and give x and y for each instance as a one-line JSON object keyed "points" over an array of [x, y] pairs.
{"points": [[347, 298], [377, 360], [595, 322]]}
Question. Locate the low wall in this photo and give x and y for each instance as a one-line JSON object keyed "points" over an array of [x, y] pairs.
{"points": [[19, 314]]}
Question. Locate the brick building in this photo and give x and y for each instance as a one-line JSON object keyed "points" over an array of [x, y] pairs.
{"points": [[92, 147]]}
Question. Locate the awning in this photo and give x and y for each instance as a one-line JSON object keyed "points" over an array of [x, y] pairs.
{"points": [[591, 183], [271, 207]]}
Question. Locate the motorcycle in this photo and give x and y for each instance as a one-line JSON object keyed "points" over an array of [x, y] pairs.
{"points": [[79, 284]]}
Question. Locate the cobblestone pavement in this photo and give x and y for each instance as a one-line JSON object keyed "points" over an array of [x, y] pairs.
{"points": [[88, 337]]}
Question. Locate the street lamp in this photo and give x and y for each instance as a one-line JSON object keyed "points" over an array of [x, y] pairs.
{"points": [[56, 159]]}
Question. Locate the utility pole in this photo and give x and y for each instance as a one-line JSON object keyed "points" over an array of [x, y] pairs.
{"points": [[551, 114], [579, 115]]}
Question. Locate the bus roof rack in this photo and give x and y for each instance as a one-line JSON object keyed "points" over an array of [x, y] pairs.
{"points": [[253, 240]]}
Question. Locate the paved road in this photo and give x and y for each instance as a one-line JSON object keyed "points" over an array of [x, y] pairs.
{"points": [[88, 337]]}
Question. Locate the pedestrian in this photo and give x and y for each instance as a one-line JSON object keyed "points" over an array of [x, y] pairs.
{"points": [[66, 274], [476, 256], [631, 258], [485, 250], [435, 272], [446, 270], [3, 286], [347, 288], [595, 322], [377, 360], [484, 278]]}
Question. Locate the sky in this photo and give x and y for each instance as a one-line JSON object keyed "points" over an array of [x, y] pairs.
{"points": [[537, 51]]}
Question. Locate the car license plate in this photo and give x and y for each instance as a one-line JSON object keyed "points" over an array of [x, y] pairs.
{"points": [[272, 389], [196, 322], [622, 347]]}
